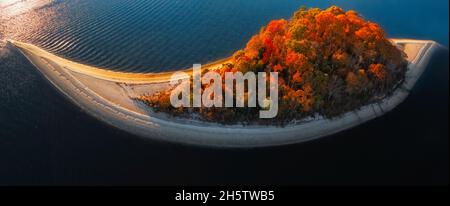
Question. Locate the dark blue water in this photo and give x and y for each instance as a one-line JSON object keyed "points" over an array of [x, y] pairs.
{"points": [[45, 139]]}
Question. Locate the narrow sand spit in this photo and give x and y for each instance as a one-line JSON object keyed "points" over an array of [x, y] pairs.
{"points": [[108, 96]]}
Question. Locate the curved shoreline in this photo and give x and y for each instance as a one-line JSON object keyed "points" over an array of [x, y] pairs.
{"points": [[108, 95], [105, 74]]}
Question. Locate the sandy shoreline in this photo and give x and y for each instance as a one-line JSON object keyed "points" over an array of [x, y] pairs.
{"points": [[108, 95], [105, 74]]}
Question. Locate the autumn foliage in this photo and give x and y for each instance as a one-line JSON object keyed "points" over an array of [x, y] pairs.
{"points": [[329, 62]]}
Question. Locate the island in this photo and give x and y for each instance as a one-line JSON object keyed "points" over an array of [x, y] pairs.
{"points": [[137, 102]]}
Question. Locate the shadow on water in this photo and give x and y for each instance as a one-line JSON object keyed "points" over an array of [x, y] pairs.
{"points": [[47, 140]]}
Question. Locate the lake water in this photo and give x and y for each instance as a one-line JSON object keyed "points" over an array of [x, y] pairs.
{"points": [[45, 139]]}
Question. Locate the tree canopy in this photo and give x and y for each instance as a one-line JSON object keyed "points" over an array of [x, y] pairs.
{"points": [[329, 62]]}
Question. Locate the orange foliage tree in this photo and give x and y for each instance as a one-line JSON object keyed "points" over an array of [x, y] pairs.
{"points": [[329, 62]]}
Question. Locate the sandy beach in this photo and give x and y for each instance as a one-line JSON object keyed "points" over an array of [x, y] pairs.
{"points": [[109, 95]]}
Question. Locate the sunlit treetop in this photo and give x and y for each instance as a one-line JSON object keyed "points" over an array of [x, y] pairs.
{"points": [[329, 62]]}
